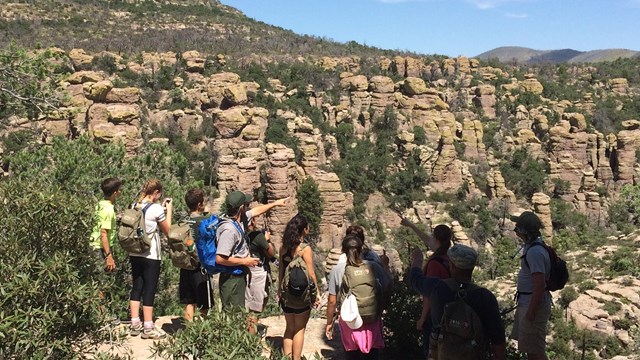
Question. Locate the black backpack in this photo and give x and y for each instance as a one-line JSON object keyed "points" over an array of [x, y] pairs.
{"points": [[559, 273], [460, 334]]}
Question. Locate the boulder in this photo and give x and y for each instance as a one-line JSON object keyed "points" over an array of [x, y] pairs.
{"points": [[414, 86], [129, 95], [80, 59]]}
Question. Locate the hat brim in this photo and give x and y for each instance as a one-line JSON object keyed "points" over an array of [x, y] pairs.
{"points": [[355, 323], [247, 198]]}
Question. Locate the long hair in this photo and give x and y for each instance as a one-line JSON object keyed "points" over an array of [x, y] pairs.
{"points": [[293, 233], [149, 187], [352, 246], [443, 234]]}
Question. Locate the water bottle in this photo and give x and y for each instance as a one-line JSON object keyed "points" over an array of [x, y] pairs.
{"points": [[190, 245]]}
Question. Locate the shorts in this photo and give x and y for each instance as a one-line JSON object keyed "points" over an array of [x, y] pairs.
{"points": [[195, 288], [232, 288], [256, 290], [288, 310], [531, 335]]}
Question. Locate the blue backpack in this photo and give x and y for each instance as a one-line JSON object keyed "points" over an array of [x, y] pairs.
{"points": [[207, 244]]}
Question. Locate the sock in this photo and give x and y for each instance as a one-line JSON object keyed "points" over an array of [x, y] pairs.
{"points": [[135, 321], [148, 324]]}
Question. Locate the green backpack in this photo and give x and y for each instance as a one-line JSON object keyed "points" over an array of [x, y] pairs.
{"points": [[298, 290], [460, 333], [132, 233], [182, 247], [362, 283]]}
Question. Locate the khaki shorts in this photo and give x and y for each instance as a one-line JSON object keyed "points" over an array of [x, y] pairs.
{"points": [[531, 335], [232, 289], [256, 290]]}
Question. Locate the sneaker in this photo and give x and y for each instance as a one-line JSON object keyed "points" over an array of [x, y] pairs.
{"points": [[154, 333], [262, 330], [135, 330]]}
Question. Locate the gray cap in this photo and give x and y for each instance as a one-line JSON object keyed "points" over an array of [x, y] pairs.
{"points": [[462, 256]]}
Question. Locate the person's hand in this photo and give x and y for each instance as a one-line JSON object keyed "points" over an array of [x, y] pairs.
{"points": [[420, 323], [282, 202], [328, 331], [167, 204], [317, 302], [267, 235], [251, 261], [110, 264], [417, 258]]}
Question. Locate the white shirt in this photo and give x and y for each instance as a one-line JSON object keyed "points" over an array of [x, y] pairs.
{"points": [[153, 215]]}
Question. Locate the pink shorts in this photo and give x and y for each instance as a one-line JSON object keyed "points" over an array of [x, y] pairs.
{"points": [[367, 337]]}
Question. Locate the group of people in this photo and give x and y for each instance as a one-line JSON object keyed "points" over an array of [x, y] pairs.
{"points": [[360, 273], [447, 276]]}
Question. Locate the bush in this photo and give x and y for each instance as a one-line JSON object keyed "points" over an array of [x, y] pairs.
{"points": [[278, 133], [48, 280], [401, 336], [221, 335], [524, 174]]}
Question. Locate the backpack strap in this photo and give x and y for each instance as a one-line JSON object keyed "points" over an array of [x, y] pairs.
{"points": [[460, 289]]}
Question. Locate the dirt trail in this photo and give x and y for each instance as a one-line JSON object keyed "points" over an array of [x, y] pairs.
{"points": [[315, 342]]}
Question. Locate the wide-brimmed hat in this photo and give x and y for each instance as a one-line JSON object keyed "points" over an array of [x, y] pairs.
{"points": [[349, 312]]}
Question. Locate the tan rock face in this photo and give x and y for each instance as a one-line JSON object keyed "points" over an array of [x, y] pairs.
{"points": [[236, 94], [531, 85], [80, 59], [129, 95], [381, 84], [194, 61], [628, 141], [229, 122], [81, 77], [485, 98], [355, 83], [336, 203], [541, 204], [97, 91], [414, 86]]}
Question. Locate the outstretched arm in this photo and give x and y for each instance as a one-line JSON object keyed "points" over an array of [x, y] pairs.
{"points": [[428, 239], [261, 209]]}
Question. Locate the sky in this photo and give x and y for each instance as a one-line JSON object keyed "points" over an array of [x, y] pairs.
{"points": [[458, 27]]}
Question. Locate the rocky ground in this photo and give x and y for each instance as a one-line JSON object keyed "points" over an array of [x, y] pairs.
{"points": [[315, 342]]}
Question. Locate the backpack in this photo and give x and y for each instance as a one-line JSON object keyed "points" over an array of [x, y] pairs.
{"points": [[559, 273], [132, 233], [361, 282], [297, 287], [460, 334], [207, 245], [180, 239]]}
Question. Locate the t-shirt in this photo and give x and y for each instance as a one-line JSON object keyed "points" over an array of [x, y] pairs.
{"points": [[106, 219], [481, 300], [259, 246], [153, 215], [538, 262], [337, 273], [436, 268]]}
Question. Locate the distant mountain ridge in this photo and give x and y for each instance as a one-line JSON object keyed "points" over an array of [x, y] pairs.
{"points": [[532, 56]]}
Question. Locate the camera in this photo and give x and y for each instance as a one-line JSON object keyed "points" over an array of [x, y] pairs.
{"points": [[139, 232]]}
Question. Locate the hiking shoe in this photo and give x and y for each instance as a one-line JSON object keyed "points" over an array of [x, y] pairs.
{"points": [[154, 333], [262, 330], [135, 330]]}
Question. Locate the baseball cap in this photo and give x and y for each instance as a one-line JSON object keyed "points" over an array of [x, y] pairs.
{"points": [[527, 221], [235, 199], [462, 256]]}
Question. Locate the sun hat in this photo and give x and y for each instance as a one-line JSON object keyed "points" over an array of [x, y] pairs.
{"points": [[349, 312]]}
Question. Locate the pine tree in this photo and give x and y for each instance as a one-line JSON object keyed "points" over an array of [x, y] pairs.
{"points": [[310, 204]]}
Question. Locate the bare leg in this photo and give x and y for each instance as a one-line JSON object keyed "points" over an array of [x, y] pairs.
{"points": [[287, 339], [300, 321], [134, 307], [147, 313], [189, 310]]}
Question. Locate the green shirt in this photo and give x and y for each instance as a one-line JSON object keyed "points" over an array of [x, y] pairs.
{"points": [[105, 218]]}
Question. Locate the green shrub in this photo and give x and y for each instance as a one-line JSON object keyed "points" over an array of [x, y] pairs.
{"points": [[524, 174], [400, 334], [221, 335], [50, 303], [278, 133], [310, 204], [419, 135], [104, 63]]}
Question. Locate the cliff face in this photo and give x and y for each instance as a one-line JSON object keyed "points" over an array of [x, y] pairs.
{"points": [[453, 153]]}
